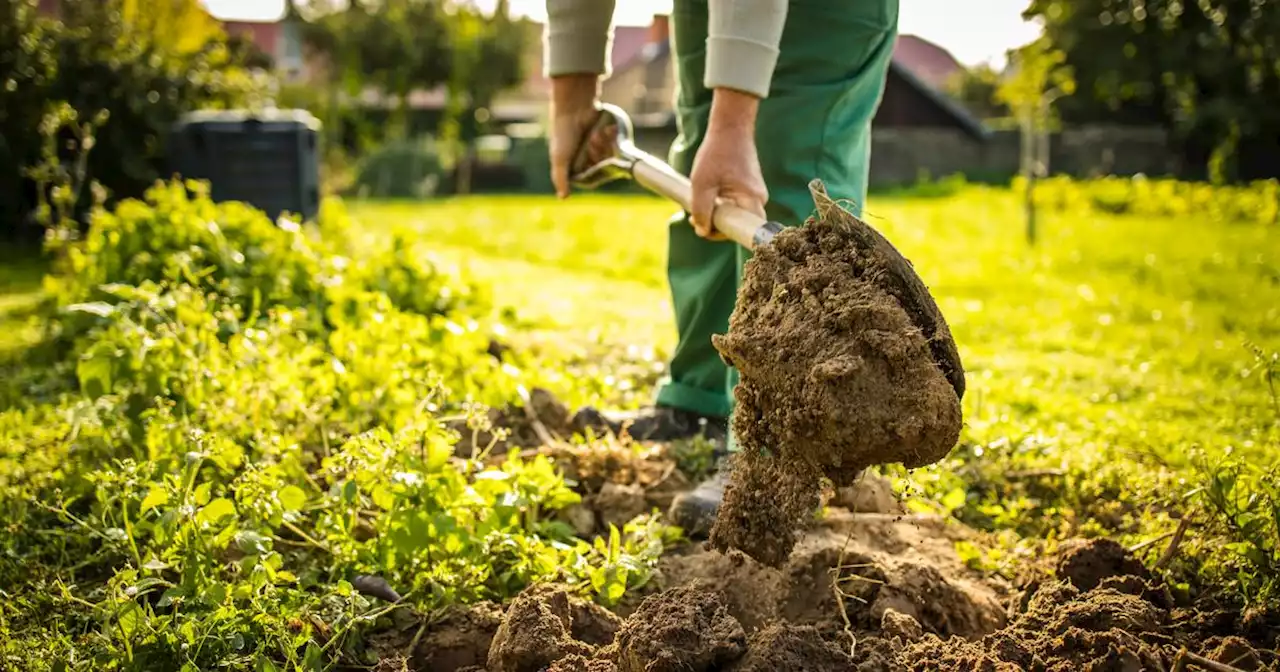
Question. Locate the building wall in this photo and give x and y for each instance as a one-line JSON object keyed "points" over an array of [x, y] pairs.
{"points": [[905, 105], [901, 156]]}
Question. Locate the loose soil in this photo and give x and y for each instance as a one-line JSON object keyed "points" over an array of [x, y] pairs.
{"points": [[911, 607], [845, 362]]}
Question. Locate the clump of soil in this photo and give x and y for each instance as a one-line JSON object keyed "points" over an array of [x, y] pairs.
{"points": [[1063, 629], [1126, 622], [682, 629], [1088, 563], [791, 647], [845, 362], [545, 624]]}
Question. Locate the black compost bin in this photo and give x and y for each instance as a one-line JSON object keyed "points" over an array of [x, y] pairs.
{"points": [[269, 159]]}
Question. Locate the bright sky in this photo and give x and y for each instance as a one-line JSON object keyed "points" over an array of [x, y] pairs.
{"points": [[979, 32]]}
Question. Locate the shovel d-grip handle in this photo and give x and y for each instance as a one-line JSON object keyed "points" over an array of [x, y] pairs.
{"points": [[626, 161]]}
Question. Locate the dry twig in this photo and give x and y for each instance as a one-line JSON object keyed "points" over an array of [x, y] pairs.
{"points": [[1185, 658], [1172, 550]]}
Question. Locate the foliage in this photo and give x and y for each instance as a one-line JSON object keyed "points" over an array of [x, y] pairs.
{"points": [[1258, 202], [1040, 77], [401, 46], [402, 169], [1205, 70], [237, 422], [181, 27], [976, 88], [101, 58]]}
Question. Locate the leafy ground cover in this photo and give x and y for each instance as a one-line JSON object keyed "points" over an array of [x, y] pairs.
{"points": [[214, 430]]}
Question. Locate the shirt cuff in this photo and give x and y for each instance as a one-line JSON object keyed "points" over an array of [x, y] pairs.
{"points": [[577, 37], [742, 44]]}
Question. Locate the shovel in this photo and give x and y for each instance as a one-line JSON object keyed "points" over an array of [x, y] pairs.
{"points": [[626, 161]]}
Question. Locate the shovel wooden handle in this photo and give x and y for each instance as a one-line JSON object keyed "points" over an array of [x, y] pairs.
{"points": [[741, 226]]}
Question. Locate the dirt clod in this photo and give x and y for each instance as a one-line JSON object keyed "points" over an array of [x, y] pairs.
{"points": [[544, 625], [906, 628], [1088, 563], [1236, 652], [1063, 629], [684, 629], [845, 362], [579, 663], [785, 647]]}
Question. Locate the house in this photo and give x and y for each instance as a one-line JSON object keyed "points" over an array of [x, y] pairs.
{"points": [[644, 86], [913, 98], [281, 41]]}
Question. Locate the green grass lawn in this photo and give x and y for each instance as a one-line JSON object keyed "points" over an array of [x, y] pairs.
{"points": [[1108, 356], [20, 293], [1119, 332]]}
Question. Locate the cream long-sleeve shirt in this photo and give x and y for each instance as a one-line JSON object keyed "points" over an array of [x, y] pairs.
{"points": [[742, 41]]}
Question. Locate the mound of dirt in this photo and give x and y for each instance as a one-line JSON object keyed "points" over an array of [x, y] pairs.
{"points": [[906, 603], [787, 647], [685, 628], [1063, 629], [845, 362], [1087, 563], [545, 624], [902, 564], [1126, 622]]}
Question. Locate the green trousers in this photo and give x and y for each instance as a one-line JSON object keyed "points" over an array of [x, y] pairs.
{"points": [[815, 123]]}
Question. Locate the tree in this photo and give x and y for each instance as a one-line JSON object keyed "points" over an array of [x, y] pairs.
{"points": [[181, 27], [976, 89], [395, 45], [487, 59], [400, 46], [1039, 79], [1209, 71]]}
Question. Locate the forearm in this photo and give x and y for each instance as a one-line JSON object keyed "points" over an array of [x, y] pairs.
{"points": [[742, 44], [576, 39], [733, 112]]}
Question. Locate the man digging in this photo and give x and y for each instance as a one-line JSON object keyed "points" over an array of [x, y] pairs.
{"points": [[770, 95]]}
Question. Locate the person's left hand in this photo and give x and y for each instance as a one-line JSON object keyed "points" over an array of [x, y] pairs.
{"points": [[726, 168]]}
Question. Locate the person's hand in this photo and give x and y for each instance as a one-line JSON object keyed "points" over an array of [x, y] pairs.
{"points": [[726, 168], [573, 111]]}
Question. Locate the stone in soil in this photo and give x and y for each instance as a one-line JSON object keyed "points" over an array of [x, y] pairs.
{"points": [[845, 362]]}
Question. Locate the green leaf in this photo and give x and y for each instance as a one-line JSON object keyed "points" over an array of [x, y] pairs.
{"points": [[155, 497], [616, 587], [292, 498], [217, 511], [129, 618], [202, 493], [95, 375], [954, 499]]}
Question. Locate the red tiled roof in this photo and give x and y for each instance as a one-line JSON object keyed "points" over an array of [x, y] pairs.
{"points": [[627, 42], [926, 60], [265, 34]]}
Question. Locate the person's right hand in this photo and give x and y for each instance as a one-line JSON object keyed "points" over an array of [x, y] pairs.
{"points": [[573, 111]]}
